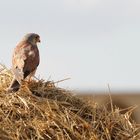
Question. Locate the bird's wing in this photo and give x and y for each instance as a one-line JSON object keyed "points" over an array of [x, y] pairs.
{"points": [[25, 60]]}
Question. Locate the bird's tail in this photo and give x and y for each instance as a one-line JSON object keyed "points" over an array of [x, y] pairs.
{"points": [[14, 86]]}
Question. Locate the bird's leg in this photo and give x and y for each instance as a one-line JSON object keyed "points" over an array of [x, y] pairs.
{"points": [[29, 77]]}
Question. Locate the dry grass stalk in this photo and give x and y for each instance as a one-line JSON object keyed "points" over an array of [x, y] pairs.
{"points": [[41, 111]]}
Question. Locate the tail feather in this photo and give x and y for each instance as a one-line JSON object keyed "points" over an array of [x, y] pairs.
{"points": [[14, 86]]}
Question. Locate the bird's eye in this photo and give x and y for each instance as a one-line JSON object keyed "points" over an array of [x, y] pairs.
{"points": [[37, 37]]}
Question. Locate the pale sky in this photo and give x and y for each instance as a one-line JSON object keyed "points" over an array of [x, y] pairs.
{"points": [[94, 42]]}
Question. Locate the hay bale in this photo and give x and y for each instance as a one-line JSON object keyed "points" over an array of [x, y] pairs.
{"points": [[41, 111]]}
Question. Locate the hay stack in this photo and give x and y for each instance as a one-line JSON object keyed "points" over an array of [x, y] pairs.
{"points": [[41, 111]]}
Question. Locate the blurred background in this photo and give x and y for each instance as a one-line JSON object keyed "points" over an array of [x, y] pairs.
{"points": [[94, 42], [124, 100]]}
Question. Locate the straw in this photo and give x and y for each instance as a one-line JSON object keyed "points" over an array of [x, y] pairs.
{"points": [[42, 111]]}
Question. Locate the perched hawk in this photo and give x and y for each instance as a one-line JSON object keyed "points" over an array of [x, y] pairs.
{"points": [[25, 60]]}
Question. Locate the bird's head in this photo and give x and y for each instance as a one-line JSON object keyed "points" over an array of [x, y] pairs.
{"points": [[32, 38]]}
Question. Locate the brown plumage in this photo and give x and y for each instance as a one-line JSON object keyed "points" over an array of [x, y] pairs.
{"points": [[25, 60]]}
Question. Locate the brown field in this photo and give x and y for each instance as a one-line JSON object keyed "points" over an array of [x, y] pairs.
{"points": [[122, 100]]}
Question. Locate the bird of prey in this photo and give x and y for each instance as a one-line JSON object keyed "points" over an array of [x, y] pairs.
{"points": [[25, 60]]}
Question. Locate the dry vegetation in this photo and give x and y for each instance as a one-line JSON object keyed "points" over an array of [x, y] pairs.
{"points": [[41, 111]]}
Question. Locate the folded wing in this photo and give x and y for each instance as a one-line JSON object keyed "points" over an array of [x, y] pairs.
{"points": [[24, 62]]}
